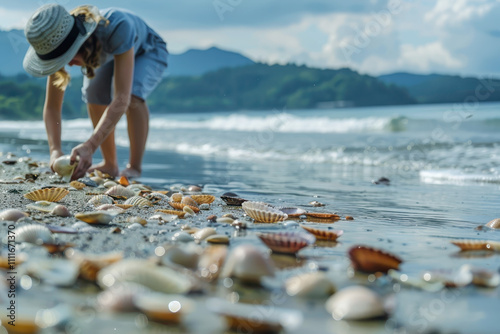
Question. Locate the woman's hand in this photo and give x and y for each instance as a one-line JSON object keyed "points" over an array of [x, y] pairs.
{"points": [[84, 152], [53, 156]]}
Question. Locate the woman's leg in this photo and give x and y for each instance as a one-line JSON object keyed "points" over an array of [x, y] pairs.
{"points": [[109, 164], [138, 128]]}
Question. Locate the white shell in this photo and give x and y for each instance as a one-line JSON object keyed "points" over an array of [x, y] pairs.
{"points": [[248, 263], [12, 215], [121, 191], [63, 167], [98, 200], [313, 284], [34, 234], [355, 303], [262, 212], [204, 233], [156, 278]]}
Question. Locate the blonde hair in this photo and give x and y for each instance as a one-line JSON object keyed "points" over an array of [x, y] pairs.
{"points": [[90, 50]]}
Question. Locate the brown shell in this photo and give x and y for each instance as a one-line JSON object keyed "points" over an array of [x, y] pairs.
{"points": [[180, 206], [47, 194], [177, 197], [203, 198], [495, 223], [179, 213], [473, 244], [123, 181], [236, 323], [285, 242], [77, 185], [189, 201], [234, 201], [372, 260], [322, 215], [330, 235]]}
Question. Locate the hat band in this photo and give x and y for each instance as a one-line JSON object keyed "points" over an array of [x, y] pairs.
{"points": [[78, 27]]}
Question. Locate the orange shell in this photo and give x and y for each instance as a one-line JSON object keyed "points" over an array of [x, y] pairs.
{"points": [[323, 215], [180, 206], [77, 185], [473, 244], [123, 181], [330, 235], [372, 260], [203, 198], [173, 212], [47, 194], [285, 242], [177, 197], [495, 223], [189, 201]]}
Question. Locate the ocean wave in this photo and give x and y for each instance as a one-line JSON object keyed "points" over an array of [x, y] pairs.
{"points": [[454, 176]]}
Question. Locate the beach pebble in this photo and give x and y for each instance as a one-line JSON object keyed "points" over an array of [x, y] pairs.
{"points": [[182, 237]]}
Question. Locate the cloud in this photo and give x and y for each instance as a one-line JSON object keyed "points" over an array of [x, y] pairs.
{"points": [[13, 18]]}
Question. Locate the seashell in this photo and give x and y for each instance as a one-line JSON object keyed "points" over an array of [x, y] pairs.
{"points": [[124, 206], [108, 184], [138, 201], [322, 215], [218, 239], [189, 201], [110, 207], [316, 204], [180, 214], [163, 308], [349, 218], [177, 197], [44, 206], [136, 220], [120, 297], [164, 217], [61, 211], [180, 206], [484, 277], [194, 189], [262, 212], [123, 181], [58, 272], [247, 263], [182, 237], [450, 277], [156, 197], [210, 262], [187, 209], [47, 194], [90, 264], [204, 206], [98, 200], [495, 223], [476, 245], [156, 278], [96, 217], [186, 257], [34, 234], [355, 303], [203, 198], [256, 318], [77, 185], [286, 242], [88, 182], [120, 191], [12, 215], [313, 284], [225, 220], [372, 260], [204, 233], [232, 199], [330, 235], [137, 188], [293, 212], [64, 168]]}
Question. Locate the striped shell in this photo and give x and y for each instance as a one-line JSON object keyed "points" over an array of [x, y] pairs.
{"points": [[286, 242], [203, 198], [495, 223], [180, 206], [12, 215], [156, 278], [473, 244], [120, 191], [34, 234], [96, 217], [372, 260], [330, 235], [98, 200], [262, 212], [138, 201], [179, 213], [47, 194]]}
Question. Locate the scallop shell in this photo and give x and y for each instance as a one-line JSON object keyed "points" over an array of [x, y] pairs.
{"points": [[98, 200], [247, 263], [96, 217], [189, 201], [138, 201], [12, 215], [173, 212], [63, 167], [330, 235], [180, 206], [473, 244], [47, 194], [120, 191], [262, 212], [156, 278], [293, 212], [355, 303], [286, 242], [322, 215], [163, 308], [44, 206], [34, 234], [313, 284], [77, 185], [91, 264], [372, 260], [495, 223], [203, 198]]}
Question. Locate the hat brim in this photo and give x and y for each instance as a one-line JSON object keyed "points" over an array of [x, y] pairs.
{"points": [[42, 68]]}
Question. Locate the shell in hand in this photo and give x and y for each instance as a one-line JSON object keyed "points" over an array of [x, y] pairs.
{"points": [[64, 168]]}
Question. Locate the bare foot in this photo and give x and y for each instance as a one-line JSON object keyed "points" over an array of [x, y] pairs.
{"points": [[130, 173], [103, 167]]}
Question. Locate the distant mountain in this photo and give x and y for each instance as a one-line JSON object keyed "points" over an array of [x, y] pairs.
{"points": [[192, 62], [406, 80], [197, 62]]}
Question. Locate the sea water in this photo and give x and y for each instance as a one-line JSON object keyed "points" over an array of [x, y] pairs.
{"points": [[443, 163]]}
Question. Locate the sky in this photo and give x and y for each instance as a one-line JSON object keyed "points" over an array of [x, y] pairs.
{"points": [[372, 37]]}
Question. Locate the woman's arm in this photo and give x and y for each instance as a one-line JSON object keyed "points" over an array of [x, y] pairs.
{"points": [[52, 118], [123, 76]]}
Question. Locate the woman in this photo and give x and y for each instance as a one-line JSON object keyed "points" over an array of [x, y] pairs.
{"points": [[122, 59]]}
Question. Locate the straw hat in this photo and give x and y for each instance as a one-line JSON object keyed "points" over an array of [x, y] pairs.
{"points": [[55, 37]]}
